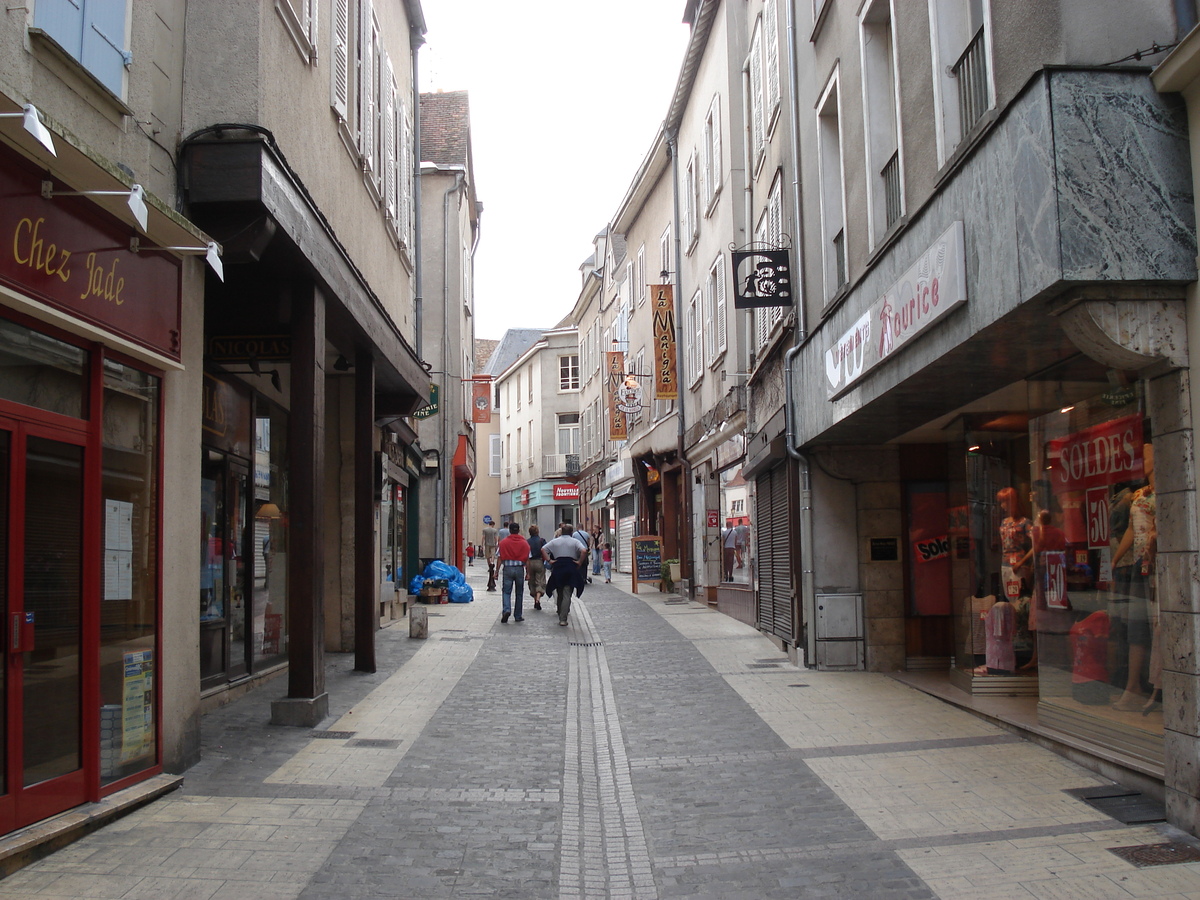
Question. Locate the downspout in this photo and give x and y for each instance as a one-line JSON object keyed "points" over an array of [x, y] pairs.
{"points": [[415, 41], [685, 545], [439, 519], [808, 591]]}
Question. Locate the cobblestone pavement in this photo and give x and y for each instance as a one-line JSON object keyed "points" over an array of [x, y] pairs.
{"points": [[654, 749]]}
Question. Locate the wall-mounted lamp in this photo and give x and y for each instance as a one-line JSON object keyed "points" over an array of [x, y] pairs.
{"points": [[32, 120], [212, 253], [256, 369], [431, 460], [135, 195], [268, 510], [342, 364]]}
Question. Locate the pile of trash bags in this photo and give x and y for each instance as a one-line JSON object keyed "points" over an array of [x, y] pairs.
{"points": [[456, 582]]}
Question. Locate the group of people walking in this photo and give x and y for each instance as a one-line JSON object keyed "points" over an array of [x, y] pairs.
{"points": [[557, 567]]}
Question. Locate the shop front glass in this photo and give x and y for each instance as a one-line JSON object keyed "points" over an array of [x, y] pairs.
{"points": [[737, 501], [1059, 517]]}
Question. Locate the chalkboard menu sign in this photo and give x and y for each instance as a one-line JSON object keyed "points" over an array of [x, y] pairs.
{"points": [[647, 557]]}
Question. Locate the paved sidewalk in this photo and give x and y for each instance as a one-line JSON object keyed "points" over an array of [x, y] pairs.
{"points": [[654, 749]]}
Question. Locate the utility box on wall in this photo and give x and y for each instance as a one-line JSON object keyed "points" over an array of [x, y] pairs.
{"points": [[840, 640]]}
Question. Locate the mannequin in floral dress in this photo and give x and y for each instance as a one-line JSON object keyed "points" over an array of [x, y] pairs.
{"points": [[1133, 569]]}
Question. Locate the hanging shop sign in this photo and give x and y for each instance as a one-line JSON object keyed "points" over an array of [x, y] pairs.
{"points": [[524, 501], [628, 397], [935, 284], [618, 427], [565, 492], [66, 253], [761, 278], [666, 372], [481, 400], [431, 409], [241, 348], [1097, 456]]}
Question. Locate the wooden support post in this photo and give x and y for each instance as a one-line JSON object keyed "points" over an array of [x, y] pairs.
{"points": [[366, 578]]}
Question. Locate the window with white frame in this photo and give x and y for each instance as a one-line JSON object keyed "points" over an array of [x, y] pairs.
{"points": [[519, 374], [695, 337], [507, 455], [715, 310], [93, 34], [299, 18], [520, 443], [771, 62], [529, 431], [367, 80], [568, 433], [639, 275], [342, 67], [832, 188], [962, 68], [769, 231], [757, 111], [494, 455], [529, 375], [712, 155], [691, 187], [885, 196], [568, 372]]}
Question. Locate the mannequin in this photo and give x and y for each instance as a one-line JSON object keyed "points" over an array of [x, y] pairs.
{"points": [[1133, 571], [1016, 547]]}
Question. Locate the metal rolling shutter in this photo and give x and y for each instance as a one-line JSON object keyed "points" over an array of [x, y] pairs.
{"points": [[776, 606]]}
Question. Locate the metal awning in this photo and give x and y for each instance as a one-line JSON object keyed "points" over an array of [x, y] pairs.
{"points": [[600, 498]]}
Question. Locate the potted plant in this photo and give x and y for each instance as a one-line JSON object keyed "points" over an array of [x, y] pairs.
{"points": [[669, 573]]}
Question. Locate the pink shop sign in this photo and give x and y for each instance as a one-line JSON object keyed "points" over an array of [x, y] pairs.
{"points": [[932, 286]]}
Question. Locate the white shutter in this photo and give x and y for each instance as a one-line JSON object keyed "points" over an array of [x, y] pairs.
{"points": [[757, 125], [710, 312], [721, 315], [775, 233], [388, 100], [340, 76], [771, 36], [366, 85], [716, 146]]}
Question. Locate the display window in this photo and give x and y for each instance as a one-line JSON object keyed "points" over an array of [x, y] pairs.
{"points": [[1060, 520], [737, 533]]}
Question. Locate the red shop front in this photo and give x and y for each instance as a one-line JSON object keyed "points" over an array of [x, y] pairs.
{"points": [[81, 472]]}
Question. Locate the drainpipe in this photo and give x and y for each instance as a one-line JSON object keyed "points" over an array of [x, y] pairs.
{"points": [[440, 543], [685, 549], [415, 41], [808, 591]]}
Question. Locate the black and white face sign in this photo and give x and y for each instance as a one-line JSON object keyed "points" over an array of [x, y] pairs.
{"points": [[761, 278]]}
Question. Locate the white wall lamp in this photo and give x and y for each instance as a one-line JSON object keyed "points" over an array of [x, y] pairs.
{"points": [[33, 124], [135, 194], [212, 253]]}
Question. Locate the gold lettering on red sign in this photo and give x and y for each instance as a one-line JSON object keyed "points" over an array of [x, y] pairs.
{"points": [[103, 283], [30, 250]]}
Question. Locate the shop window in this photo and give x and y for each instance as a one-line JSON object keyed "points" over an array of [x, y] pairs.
{"points": [[129, 601], [736, 501], [40, 371]]}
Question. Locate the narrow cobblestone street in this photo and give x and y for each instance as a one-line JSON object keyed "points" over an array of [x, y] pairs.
{"points": [[655, 749]]}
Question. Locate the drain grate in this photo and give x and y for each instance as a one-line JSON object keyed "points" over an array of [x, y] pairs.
{"points": [[1122, 804], [374, 744], [799, 684], [334, 735], [585, 643], [762, 665], [1157, 854]]}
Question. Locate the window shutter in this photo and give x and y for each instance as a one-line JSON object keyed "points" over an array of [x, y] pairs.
{"points": [[719, 276], [710, 312], [716, 146], [771, 36], [340, 76], [757, 125], [388, 100], [63, 21], [104, 52], [310, 24], [366, 86]]}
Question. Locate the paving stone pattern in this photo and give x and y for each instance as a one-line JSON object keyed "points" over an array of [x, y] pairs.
{"points": [[651, 750]]}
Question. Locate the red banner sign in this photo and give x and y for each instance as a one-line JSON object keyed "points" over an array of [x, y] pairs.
{"points": [[481, 400], [1103, 454], [618, 427], [65, 252], [666, 378], [565, 492]]}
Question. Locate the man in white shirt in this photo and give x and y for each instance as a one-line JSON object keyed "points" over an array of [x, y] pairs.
{"points": [[568, 558]]}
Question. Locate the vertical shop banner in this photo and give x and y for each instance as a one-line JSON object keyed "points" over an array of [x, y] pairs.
{"points": [[618, 428], [666, 372], [481, 400]]}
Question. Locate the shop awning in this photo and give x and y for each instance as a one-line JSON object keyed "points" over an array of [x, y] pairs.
{"points": [[600, 498]]}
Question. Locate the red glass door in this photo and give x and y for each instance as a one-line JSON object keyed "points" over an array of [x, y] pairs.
{"points": [[41, 516]]}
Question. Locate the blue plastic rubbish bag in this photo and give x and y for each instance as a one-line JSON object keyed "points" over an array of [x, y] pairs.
{"points": [[460, 592], [414, 586]]}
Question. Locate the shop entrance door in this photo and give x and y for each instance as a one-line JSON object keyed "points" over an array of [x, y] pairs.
{"points": [[41, 586], [225, 569]]}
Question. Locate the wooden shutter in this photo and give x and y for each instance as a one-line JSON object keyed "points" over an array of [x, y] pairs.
{"points": [[339, 90], [721, 315], [366, 86]]}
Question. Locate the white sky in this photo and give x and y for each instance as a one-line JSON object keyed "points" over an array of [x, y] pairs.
{"points": [[566, 96]]}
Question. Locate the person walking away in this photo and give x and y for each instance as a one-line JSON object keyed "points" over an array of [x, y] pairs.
{"points": [[585, 540], [514, 554], [491, 538], [536, 570], [597, 534], [606, 555], [568, 569], [470, 553]]}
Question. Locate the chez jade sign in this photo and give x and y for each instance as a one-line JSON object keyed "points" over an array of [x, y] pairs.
{"points": [[933, 285], [70, 255]]}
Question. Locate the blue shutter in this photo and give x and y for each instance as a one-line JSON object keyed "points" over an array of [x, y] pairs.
{"points": [[104, 51], [63, 21]]}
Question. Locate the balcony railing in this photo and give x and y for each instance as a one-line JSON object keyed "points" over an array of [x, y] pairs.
{"points": [[971, 74], [891, 189], [555, 465]]}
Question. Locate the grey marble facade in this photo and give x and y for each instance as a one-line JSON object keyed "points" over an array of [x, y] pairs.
{"points": [[1083, 182]]}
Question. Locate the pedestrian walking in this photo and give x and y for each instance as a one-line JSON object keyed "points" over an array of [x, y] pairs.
{"points": [[568, 569], [585, 540], [606, 557], [514, 554], [535, 572], [470, 553], [491, 538], [597, 540]]}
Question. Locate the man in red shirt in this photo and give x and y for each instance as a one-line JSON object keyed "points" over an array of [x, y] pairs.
{"points": [[514, 554]]}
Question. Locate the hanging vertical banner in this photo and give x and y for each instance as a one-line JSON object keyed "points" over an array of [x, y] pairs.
{"points": [[666, 375], [481, 400], [618, 429]]}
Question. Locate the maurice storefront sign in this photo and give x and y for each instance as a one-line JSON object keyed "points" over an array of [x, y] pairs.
{"points": [[932, 286]]}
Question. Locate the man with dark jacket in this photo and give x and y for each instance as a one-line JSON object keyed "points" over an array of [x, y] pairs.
{"points": [[568, 571]]}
